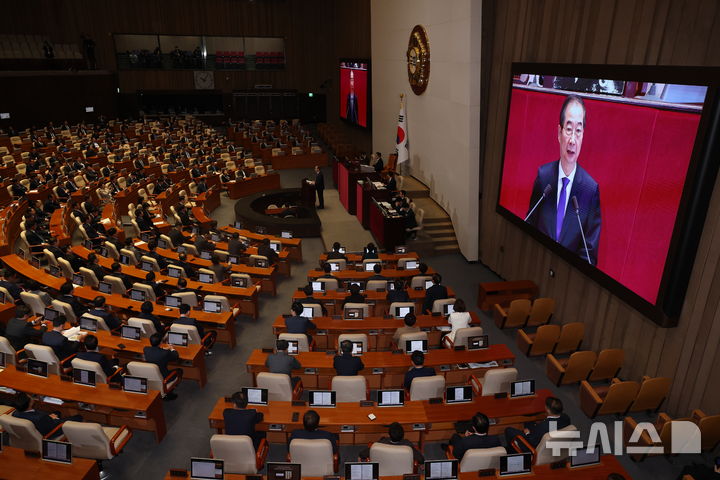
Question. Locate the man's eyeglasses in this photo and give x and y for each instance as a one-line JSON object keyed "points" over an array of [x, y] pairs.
{"points": [[568, 131]]}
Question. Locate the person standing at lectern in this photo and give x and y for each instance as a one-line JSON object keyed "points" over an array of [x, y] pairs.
{"points": [[564, 191], [319, 183]]}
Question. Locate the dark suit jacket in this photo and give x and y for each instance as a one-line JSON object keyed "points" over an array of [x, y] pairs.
{"points": [[159, 327], [110, 318], [42, 421], [346, 364], [352, 298], [397, 296], [97, 270], [297, 324], [316, 434], [241, 421], [99, 358], [176, 236], [19, 332], [193, 322], [379, 165], [587, 192], [77, 307], [235, 247], [351, 108], [336, 256], [160, 357], [314, 301], [319, 181], [268, 252], [417, 372], [12, 288], [62, 347], [436, 292], [463, 444], [542, 427]]}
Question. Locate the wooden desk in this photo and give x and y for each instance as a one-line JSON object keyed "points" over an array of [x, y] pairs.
{"points": [[16, 466], [242, 188], [490, 293], [393, 366], [389, 232], [209, 200], [10, 218], [305, 160], [350, 274], [112, 407], [294, 245], [384, 257]]}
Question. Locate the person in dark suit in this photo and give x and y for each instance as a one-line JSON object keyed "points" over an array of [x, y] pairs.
{"points": [[436, 292], [697, 471], [351, 101], [221, 271], [235, 246], [410, 320], [54, 339], [19, 331], [556, 216], [297, 323], [475, 437], [66, 296], [396, 437], [311, 421], [319, 186], [92, 264], [391, 183], [146, 313], [398, 294], [418, 369], [534, 431], [335, 253], [176, 236], [377, 269], [370, 252], [162, 263], [116, 271], [182, 263], [355, 295], [9, 280], [101, 310], [203, 244], [266, 250], [202, 186], [241, 420], [345, 364], [161, 356], [44, 422], [308, 291], [91, 354], [150, 280], [379, 164], [185, 319]]}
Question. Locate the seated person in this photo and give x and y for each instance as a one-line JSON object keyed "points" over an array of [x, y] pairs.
{"points": [[20, 331], [146, 310], [345, 364], [156, 287], [44, 422], [297, 323], [116, 271], [409, 327], [460, 318], [370, 252], [417, 369], [475, 437], [399, 294], [54, 339], [161, 356], [423, 269], [66, 296], [34, 287], [235, 245], [377, 268], [101, 310], [186, 319], [91, 354], [396, 437], [435, 292], [92, 264], [328, 271], [183, 263], [335, 253], [281, 362], [265, 250], [162, 263], [308, 291], [534, 431], [218, 269], [310, 431], [697, 471], [9, 280], [355, 295], [241, 420]]}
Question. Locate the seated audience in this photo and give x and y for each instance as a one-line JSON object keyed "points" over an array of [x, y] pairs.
{"points": [[417, 369], [534, 431], [91, 354], [396, 436], [408, 328], [44, 422], [297, 323], [310, 431], [281, 362], [240, 420], [475, 437], [161, 356], [355, 295], [435, 292], [345, 364]]}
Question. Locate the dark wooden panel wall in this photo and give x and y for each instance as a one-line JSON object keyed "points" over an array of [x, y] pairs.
{"points": [[644, 32]]}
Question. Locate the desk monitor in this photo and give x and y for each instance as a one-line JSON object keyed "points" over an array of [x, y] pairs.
{"points": [[195, 230], [161, 243], [146, 266], [88, 324], [275, 247], [215, 237], [353, 313], [283, 471], [238, 225], [35, 262], [207, 468], [233, 260], [322, 398], [103, 251], [134, 384], [342, 250], [105, 287], [2, 360], [37, 367], [211, 306], [370, 266], [137, 295], [428, 284], [391, 285], [78, 279], [359, 283], [131, 333], [448, 308], [400, 249], [53, 451], [55, 271], [412, 265], [441, 470], [416, 345], [293, 347], [479, 342], [261, 263], [307, 312], [145, 237], [205, 278], [174, 272], [458, 394], [84, 377], [583, 457], [181, 249], [256, 396], [334, 267], [88, 244], [260, 230], [2, 297], [205, 255], [286, 234], [50, 314], [357, 349], [391, 398], [523, 388], [178, 338], [241, 282], [362, 471], [173, 301], [124, 259], [400, 312], [318, 286], [516, 464]]}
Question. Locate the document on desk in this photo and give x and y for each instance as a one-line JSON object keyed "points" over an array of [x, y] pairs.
{"points": [[323, 398], [441, 470], [254, 395], [515, 464], [483, 365], [71, 332], [361, 472]]}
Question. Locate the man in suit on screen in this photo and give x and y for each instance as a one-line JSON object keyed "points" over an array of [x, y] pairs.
{"points": [[351, 103], [558, 182]]}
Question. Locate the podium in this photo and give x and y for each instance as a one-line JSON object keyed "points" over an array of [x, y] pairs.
{"points": [[307, 193]]}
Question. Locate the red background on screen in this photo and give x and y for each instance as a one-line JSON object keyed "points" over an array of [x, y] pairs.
{"points": [[638, 155], [360, 78]]}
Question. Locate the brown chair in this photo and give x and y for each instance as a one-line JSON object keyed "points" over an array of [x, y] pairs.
{"points": [[615, 398], [564, 371], [515, 316], [571, 337], [608, 365], [539, 343], [709, 428], [541, 312], [652, 394]]}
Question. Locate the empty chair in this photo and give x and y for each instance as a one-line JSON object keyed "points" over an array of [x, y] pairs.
{"points": [[249, 162], [50, 257], [354, 337], [330, 283], [34, 302], [564, 371], [260, 169], [514, 316], [100, 376], [47, 355], [254, 258], [188, 298], [571, 337], [477, 459], [462, 335], [101, 325], [22, 433], [651, 395], [315, 456], [546, 453], [405, 337], [425, 388], [663, 426], [340, 262], [365, 307], [149, 292], [709, 426], [279, 386], [541, 312], [608, 365], [116, 284], [402, 262], [89, 276], [244, 276], [224, 303], [130, 254], [496, 380], [375, 285], [239, 453], [616, 398], [112, 250], [156, 381], [392, 459], [316, 309], [350, 388], [151, 261], [65, 268], [80, 181], [395, 305], [190, 249], [8, 350], [539, 343], [147, 327], [92, 440], [300, 338], [194, 336], [437, 306], [419, 281]]}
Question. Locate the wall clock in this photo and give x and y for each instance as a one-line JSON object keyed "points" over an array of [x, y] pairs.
{"points": [[418, 60], [204, 80]]}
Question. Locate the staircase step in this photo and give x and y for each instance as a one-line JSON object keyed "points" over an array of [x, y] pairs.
{"points": [[437, 225], [441, 232], [445, 220], [447, 248], [445, 240]]}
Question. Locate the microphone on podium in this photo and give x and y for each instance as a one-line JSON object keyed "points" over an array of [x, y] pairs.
{"points": [[582, 233], [545, 193]]}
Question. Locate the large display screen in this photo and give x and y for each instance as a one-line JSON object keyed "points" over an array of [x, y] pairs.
{"points": [[354, 93], [598, 166]]}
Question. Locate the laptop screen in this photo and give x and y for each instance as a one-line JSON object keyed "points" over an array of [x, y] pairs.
{"points": [[215, 237], [342, 250], [205, 278], [307, 312], [478, 342], [286, 234], [84, 377], [352, 313], [103, 251], [401, 249], [448, 308], [53, 451], [89, 324], [523, 388], [173, 301], [416, 345], [361, 285], [162, 243], [124, 259], [50, 314], [357, 348], [174, 272], [411, 265], [400, 312], [238, 225], [283, 471], [322, 398], [134, 384], [370, 266], [275, 247], [131, 333], [441, 469], [428, 284], [256, 396], [583, 457], [334, 266], [55, 271], [137, 295], [233, 259], [37, 367], [105, 287], [78, 279], [391, 398], [318, 286], [178, 338], [181, 249], [147, 266], [239, 282], [207, 468], [261, 263], [515, 464], [459, 394], [362, 471], [210, 306], [293, 348], [205, 255]]}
